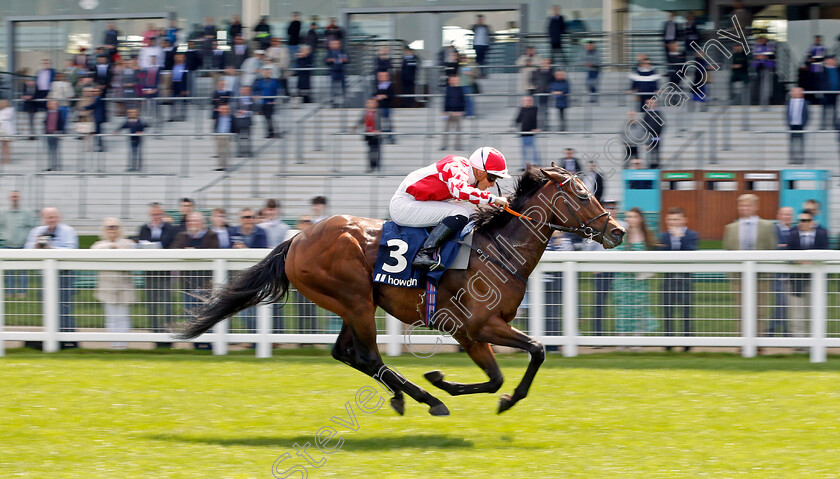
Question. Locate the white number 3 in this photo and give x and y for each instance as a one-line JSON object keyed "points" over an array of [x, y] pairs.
{"points": [[397, 254]]}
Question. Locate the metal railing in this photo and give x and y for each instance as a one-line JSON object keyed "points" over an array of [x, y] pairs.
{"points": [[730, 299]]}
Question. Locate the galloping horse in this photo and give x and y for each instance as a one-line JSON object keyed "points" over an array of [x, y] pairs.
{"points": [[332, 265]]}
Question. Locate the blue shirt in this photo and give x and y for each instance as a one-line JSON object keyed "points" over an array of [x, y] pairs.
{"points": [[223, 125], [178, 71], [64, 237]]}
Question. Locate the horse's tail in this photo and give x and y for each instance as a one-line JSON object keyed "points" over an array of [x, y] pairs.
{"points": [[265, 281]]}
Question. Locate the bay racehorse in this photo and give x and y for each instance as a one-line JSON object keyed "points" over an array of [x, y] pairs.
{"points": [[332, 264]]}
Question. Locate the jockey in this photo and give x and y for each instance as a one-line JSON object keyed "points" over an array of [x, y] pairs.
{"points": [[435, 196]]}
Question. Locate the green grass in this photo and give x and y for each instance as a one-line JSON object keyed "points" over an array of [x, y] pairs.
{"points": [[106, 415]]}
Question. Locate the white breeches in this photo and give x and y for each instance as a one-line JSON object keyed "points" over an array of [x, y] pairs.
{"points": [[406, 211]]}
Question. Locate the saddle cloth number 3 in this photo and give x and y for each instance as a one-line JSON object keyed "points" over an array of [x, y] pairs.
{"points": [[398, 254]]}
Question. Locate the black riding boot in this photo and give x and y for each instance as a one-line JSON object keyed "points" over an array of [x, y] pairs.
{"points": [[442, 232]]}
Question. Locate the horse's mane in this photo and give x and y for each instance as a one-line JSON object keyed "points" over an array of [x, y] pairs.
{"points": [[492, 218]]}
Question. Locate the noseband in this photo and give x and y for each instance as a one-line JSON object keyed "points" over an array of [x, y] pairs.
{"points": [[584, 229]]}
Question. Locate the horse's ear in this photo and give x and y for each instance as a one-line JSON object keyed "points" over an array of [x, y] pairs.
{"points": [[553, 165]]}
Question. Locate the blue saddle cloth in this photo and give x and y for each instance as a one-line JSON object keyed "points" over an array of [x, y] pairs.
{"points": [[397, 248]]}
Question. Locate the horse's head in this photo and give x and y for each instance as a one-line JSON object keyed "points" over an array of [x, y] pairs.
{"points": [[575, 209]]}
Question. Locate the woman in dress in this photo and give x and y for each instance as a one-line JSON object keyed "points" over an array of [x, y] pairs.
{"points": [[632, 290], [115, 289]]}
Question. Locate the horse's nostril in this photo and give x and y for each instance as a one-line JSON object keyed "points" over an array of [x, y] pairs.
{"points": [[617, 233]]}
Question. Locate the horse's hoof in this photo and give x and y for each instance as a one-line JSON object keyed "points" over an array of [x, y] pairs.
{"points": [[439, 410], [505, 402], [399, 405], [434, 377]]}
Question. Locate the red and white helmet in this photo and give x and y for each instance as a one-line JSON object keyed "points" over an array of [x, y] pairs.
{"points": [[490, 160]]}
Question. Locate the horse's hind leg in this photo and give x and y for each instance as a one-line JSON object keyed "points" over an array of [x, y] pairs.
{"points": [[345, 350], [497, 331], [482, 354]]}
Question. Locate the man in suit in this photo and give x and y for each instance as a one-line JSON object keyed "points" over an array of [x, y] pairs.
{"points": [[111, 41], [781, 283], [797, 119], [749, 232], [593, 180], [103, 73], [54, 125], [180, 87], [150, 86], [158, 285], [135, 126], [556, 30], [806, 235], [100, 114], [830, 81], [569, 161], [336, 60], [221, 96], [218, 60], [670, 31], [408, 75], [43, 79], [243, 118], [266, 89], [239, 52], [677, 287]]}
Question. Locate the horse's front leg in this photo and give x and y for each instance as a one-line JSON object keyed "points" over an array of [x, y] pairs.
{"points": [[497, 331], [482, 354]]}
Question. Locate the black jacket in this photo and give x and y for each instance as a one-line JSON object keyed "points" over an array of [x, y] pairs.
{"points": [[527, 119], [556, 29], [454, 99], [294, 33], [167, 234]]}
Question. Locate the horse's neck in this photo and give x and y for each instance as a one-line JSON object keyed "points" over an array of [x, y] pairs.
{"points": [[522, 244]]}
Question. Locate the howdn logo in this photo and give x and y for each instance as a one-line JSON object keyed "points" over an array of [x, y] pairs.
{"points": [[386, 278]]}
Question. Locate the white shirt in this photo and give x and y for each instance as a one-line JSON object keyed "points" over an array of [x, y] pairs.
{"points": [[796, 106], [748, 232], [275, 232], [43, 81], [806, 239], [676, 241]]}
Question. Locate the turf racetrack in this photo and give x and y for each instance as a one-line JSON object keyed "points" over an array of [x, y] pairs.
{"points": [[135, 415]]}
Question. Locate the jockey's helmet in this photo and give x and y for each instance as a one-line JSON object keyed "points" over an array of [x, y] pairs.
{"points": [[490, 160]]}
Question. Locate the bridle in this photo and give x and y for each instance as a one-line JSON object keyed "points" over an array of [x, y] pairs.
{"points": [[584, 229]]}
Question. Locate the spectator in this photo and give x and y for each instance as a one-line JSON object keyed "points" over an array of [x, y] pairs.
{"points": [[251, 67], [334, 32], [266, 90], [247, 234], [671, 31], [592, 62], [816, 55], [15, 224], [222, 96], [196, 283], [482, 37], [781, 283], [371, 121], [115, 289], [335, 60], [541, 80], [293, 34], [157, 233], [172, 30], [72, 72], [100, 115], [111, 41], [7, 131], [103, 74], [830, 81], [218, 60], [677, 287], [451, 63], [231, 79], [675, 60], [313, 38], [262, 33], [53, 234], [603, 282], [385, 98], [219, 225], [239, 52], [454, 105], [62, 91], [150, 34], [527, 64], [304, 63], [556, 30], [243, 121], [408, 75], [569, 161], [84, 119], [135, 127], [656, 123], [235, 28], [797, 119], [319, 209], [180, 88], [813, 206], [740, 76], [185, 207], [150, 86], [275, 229], [690, 32], [526, 118], [469, 81], [593, 181], [632, 290], [807, 235], [764, 64], [43, 79], [30, 104], [749, 232], [224, 124], [168, 61], [53, 126], [702, 77], [382, 63], [644, 82], [559, 87], [278, 54]]}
